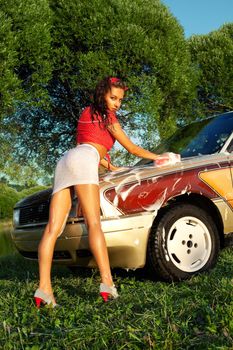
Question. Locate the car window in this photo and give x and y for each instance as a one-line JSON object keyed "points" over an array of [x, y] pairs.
{"points": [[230, 147], [210, 139], [206, 136]]}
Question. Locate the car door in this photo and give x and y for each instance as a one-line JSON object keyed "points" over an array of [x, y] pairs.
{"points": [[229, 149], [219, 179], [228, 185]]}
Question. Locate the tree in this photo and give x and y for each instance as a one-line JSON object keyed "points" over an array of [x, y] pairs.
{"points": [[139, 41], [25, 64], [212, 55], [25, 69]]}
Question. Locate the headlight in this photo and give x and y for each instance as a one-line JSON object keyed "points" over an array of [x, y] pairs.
{"points": [[16, 217]]}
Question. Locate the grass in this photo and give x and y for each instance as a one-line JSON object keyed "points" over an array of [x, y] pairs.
{"points": [[5, 224], [195, 314], [6, 244]]}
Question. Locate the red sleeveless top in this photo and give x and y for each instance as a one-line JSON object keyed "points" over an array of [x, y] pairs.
{"points": [[89, 130]]}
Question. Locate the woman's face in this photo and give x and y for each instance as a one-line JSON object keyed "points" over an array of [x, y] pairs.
{"points": [[113, 98]]}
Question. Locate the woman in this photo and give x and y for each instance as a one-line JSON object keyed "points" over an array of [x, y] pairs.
{"points": [[97, 130]]}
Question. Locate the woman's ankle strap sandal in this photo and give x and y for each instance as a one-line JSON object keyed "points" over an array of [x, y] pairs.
{"points": [[107, 292], [41, 297]]}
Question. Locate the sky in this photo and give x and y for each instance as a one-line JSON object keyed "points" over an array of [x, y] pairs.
{"points": [[201, 16]]}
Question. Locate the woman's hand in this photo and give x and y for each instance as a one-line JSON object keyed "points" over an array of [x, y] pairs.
{"points": [[120, 168], [167, 158]]}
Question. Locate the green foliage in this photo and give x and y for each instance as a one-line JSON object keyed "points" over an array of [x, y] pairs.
{"points": [[7, 246], [52, 53], [139, 41], [9, 197], [195, 314], [31, 190], [25, 66], [212, 55], [9, 82], [26, 176]]}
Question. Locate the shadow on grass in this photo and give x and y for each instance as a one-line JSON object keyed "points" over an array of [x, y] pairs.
{"points": [[15, 267]]}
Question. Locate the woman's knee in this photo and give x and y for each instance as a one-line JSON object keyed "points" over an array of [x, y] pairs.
{"points": [[94, 225], [55, 227], [54, 230]]}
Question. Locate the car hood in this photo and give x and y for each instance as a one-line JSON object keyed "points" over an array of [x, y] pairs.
{"points": [[133, 173], [38, 197], [138, 172]]}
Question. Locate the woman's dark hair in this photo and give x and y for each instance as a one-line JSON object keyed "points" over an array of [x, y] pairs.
{"points": [[98, 106]]}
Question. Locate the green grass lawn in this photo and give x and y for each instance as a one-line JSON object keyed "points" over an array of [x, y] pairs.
{"points": [[149, 314]]}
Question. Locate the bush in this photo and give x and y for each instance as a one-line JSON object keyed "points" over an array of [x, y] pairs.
{"points": [[28, 191], [9, 197]]}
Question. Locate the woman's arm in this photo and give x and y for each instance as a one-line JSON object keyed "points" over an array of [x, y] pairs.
{"points": [[116, 130]]}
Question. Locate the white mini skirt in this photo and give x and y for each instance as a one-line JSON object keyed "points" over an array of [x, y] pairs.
{"points": [[79, 165]]}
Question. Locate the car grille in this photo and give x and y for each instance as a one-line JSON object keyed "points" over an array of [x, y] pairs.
{"points": [[34, 214]]}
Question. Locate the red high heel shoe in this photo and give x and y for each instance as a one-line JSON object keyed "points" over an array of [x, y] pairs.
{"points": [[41, 297], [106, 292]]}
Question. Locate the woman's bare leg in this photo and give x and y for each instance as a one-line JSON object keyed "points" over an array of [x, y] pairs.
{"points": [[59, 209], [88, 196]]}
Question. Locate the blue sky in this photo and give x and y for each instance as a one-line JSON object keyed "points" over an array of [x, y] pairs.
{"points": [[201, 16]]}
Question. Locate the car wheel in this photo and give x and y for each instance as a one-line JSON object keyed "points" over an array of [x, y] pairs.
{"points": [[184, 242]]}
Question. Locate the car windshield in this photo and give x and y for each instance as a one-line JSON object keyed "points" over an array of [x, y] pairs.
{"points": [[206, 136]]}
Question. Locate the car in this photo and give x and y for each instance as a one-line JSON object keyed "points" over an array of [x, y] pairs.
{"points": [[172, 219]]}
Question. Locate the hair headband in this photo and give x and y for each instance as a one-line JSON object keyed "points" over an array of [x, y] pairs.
{"points": [[115, 80]]}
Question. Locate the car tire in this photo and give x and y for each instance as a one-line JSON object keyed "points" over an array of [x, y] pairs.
{"points": [[182, 243]]}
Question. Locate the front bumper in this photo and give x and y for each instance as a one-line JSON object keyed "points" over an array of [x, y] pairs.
{"points": [[126, 239]]}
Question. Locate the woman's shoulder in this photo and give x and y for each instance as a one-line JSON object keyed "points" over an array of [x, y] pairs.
{"points": [[86, 113], [86, 110], [112, 118]]}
